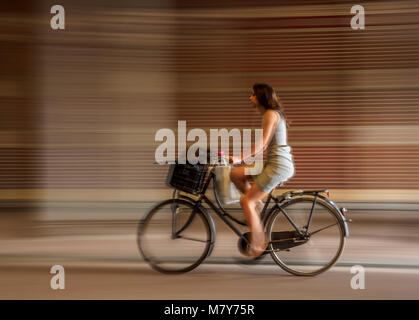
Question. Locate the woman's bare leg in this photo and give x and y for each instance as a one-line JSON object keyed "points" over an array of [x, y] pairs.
{"points": [[248, 203], [241, 181]]}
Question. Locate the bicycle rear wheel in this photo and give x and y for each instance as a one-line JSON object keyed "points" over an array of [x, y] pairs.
{"points": [[175, 238], [310, 253]]}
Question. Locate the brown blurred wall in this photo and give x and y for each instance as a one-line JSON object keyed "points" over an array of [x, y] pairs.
{"points": [[80, 106], [20, 126]]}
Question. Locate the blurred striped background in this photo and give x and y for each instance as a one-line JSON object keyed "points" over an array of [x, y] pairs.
{"points": [[80, 107]]}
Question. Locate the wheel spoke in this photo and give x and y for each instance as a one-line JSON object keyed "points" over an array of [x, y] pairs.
{"points": [[192, 239], [321, 229]]}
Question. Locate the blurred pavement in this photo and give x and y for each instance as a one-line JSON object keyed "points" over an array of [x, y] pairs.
{"points": [[379, 236]]}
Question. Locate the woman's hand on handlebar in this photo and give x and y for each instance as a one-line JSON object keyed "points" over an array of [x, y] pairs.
{"points": [[234, 160]]}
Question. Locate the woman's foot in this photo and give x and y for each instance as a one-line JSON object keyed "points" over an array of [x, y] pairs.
{"points": [[257, 247]]}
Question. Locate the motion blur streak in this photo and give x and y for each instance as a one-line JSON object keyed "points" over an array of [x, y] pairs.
{"points": [[80, 106]]}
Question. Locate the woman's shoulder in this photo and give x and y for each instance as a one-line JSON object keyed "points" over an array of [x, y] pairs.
{"points": [[271, 115]]}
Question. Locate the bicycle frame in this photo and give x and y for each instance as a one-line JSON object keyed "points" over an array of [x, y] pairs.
{"points": [[226, 217]]}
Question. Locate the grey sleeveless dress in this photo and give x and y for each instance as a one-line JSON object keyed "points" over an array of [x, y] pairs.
{"points": [[279, 165]]}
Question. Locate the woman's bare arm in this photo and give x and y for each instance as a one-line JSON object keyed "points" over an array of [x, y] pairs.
{"points": [[271, 118]]}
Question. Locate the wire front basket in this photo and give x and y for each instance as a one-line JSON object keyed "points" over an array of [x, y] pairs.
{"points": [[188, 177]]}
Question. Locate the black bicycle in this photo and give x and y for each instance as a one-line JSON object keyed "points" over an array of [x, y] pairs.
{"points": [[306, 230]]}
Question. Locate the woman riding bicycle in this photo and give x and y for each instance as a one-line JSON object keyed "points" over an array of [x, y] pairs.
{"points": [[278, 167]]}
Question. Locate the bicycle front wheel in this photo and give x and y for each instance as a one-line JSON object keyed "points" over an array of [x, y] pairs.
{"points": [[302, 251], [173, 237]]}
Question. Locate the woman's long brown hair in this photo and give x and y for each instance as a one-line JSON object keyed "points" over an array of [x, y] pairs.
{"points": [[268, 99]]}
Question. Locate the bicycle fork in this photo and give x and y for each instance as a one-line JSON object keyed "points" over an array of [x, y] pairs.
{"points": [[176, 234]]}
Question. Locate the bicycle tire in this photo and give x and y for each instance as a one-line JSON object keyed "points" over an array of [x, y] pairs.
{"points": [[293, 262], [152, 231]]}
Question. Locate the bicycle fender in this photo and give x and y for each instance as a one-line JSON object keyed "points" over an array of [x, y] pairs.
{"points": [[343, 218], [186, 198]]}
